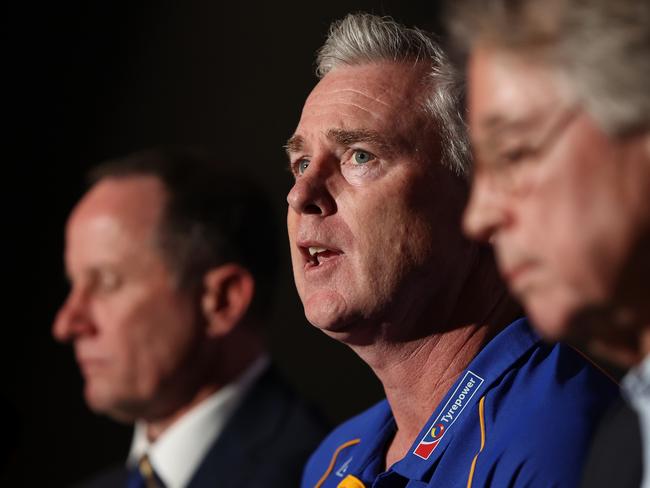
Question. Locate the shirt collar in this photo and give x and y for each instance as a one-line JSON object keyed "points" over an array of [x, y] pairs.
{"points": [[487, 367], [636, 383], [178, 452], [636, 389], [484, 370]]}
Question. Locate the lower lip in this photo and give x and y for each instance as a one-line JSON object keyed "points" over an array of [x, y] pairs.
{"points": [[324, 264], [91, 366]]}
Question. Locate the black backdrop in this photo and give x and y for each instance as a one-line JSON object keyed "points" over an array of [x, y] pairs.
{"points": [[87, 80]]}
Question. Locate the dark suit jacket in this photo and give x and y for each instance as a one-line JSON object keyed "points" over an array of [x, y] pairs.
{"points": [[615, 457], [264, 445]]}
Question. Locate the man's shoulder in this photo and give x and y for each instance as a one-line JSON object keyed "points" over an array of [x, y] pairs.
{"points": [[273, 401], [267, 440], [532, 418], [342, 440], [521, 369], [556, 377], [556, 393], [109, 478], [540, 416]]}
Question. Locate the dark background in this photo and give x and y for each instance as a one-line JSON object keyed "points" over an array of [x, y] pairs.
{"points": [[89, 80]]}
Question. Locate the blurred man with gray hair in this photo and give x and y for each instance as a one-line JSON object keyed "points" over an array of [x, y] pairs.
{"points": [[473, 396], [560, 122]]}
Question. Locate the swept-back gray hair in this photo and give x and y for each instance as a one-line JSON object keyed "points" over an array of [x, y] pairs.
{"points": [[600, 47], [363, 38]]}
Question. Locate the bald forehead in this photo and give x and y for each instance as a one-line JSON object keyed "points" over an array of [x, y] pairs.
{"points": [[385, 84], [374, 101], [136, 201]]}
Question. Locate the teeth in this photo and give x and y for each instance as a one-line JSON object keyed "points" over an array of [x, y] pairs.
{"points": [[315, 250]]}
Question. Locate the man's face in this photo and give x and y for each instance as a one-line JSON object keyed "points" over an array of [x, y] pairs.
{"points": [[373, 217], [133, 332], [559, 199]]}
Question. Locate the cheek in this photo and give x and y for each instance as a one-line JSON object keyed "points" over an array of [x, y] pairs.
{"points": [[589, 220], [582, 217], [168, 332], [555, 237], [151, 339], [296, 258], [394, 239], [291, 223]]}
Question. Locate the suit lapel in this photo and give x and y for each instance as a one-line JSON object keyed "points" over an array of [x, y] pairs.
{"points": [[252, 427]]}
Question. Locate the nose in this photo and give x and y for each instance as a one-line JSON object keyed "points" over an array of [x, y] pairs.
{"points": [[73, 318], [310, 194], [486, 212]]}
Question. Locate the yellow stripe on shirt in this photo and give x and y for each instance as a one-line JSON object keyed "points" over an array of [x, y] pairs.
{"points": [[481, 416], [333, 461]]}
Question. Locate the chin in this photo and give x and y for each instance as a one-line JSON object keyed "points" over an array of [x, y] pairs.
{"points": [[550, 316], [104, 402], [327, 310], [329, 323], [349, 329]]}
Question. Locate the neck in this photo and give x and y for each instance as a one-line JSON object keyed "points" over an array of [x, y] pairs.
{"points": [[156, 427], [620, 325], [421, 374], [618, 334], [220, 365], [416, 374]]}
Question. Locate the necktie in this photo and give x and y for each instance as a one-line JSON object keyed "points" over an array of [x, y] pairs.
{"points": [[143, 475]]}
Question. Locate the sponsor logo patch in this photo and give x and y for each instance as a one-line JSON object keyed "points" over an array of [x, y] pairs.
{"points": [[457, 402]]}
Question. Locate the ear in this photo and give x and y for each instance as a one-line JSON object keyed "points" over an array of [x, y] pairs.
{"points": [[227, 294]]}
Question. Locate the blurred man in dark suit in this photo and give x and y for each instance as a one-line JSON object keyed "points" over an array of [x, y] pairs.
{"points": [[560, 122], [171, 262]]}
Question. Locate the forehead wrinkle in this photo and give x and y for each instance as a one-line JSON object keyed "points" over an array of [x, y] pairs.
{"points": [[365, 95], [329, 93], [326, 107]]}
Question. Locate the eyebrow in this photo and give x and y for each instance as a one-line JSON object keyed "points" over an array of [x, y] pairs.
{"points": [[496, 126], [294, 144], [347, 137], [498, 123], [344, 137]]}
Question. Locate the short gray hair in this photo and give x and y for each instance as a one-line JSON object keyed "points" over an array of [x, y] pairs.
{"points": [[363, 38], [601, 48]]}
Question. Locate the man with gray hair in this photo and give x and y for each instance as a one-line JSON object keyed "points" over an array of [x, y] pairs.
{"points": [[473, 397], [560, 121]]}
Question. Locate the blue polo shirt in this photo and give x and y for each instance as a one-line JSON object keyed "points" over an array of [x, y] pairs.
{"points": [[521, 415]]}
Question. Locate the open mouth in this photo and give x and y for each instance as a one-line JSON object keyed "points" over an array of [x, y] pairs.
{"points": [[318, 255]]}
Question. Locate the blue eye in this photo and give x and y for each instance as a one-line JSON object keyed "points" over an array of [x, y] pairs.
{"points": [[302, 165], [362, 157]]}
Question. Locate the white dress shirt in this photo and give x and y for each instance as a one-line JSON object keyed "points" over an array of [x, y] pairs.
{"points": [[636, 388], [179, 450]]}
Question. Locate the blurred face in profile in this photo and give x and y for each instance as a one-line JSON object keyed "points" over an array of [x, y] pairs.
{"points": [[133, 331], [560, 200]]}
